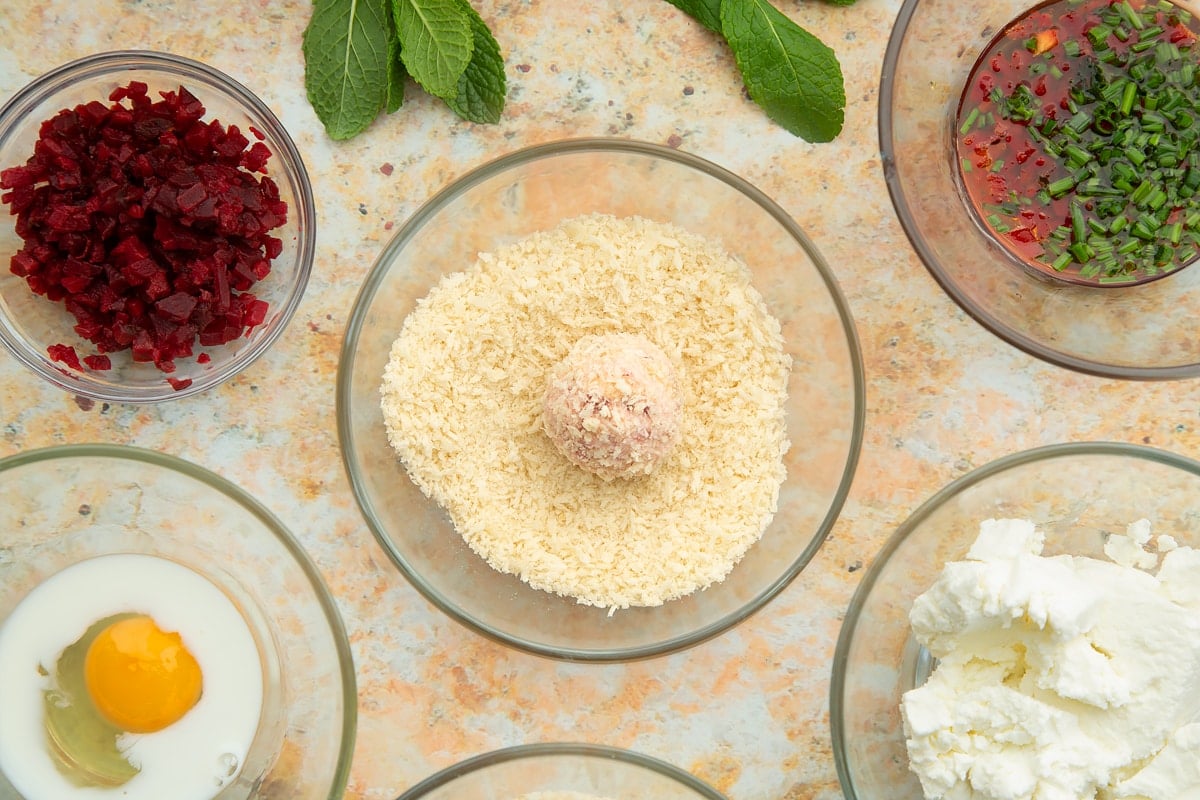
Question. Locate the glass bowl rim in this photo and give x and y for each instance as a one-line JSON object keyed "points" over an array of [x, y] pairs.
{"points": [[916, 238], [482, 173], [837, 684], [13, 112], [522, 751], [341, 774]]}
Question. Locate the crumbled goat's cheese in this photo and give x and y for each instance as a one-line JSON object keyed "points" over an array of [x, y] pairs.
{"points": [[1058, 677]]}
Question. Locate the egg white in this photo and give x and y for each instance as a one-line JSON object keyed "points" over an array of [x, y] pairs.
{"points": [[185, 761]]}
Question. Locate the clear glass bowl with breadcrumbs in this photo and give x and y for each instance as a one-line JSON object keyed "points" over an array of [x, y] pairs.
{"points": [[156, 230], [724, 428], [162, 634], [562, 771]]}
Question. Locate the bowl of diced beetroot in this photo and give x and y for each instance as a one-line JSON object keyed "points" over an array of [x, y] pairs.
{"points": [[156, 226]]}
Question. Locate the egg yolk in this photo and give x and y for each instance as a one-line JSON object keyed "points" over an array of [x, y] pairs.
{"points": [[139, 677]]}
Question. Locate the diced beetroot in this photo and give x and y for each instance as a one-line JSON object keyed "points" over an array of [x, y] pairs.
{"points": [[23, 264], [142, 348], [191, 197], [148, 223], [253, 313], [255, 159], [64, 354], [232, 143], [176, 307], [187, 109], [67, 218]]}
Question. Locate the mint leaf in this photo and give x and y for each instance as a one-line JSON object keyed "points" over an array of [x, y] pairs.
{"points": [[706, 12], [435, 42], [396, 76], [482, 86], [346, 46], [788, 71]]}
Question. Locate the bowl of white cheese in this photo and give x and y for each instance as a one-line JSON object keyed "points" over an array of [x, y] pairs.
{"points": [[1031, 631]]}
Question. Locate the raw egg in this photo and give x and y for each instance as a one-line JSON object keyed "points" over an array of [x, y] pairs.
{"points": [[127, 676], [140, 678]]}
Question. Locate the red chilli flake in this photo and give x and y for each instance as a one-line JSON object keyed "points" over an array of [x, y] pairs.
{"points": [[149, 225]]}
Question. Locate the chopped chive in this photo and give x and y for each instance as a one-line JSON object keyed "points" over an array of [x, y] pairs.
{"points": [[970, 120], [1099, 34], [1059, 187], [1076, 155], [1141, 193], [1078, 227], [1131, 16], [1128, 95], [1123, 154]]}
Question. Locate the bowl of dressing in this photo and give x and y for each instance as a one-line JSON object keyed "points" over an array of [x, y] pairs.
{"points": [[1031, 629], [1043, 167], [162, 635]]}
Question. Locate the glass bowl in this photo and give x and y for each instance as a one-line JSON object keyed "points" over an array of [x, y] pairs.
{"points": [[30, 323], [562, 772], [533, 190], [1135, 332], [70, 503], [1077, 493]]}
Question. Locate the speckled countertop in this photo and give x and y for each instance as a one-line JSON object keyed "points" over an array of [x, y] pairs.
{"points": [[748, 710]]}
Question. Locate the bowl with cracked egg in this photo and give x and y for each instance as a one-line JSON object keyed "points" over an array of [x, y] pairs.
{"points": [[162, 634], [600, 399], [562, 771], [1030, 631]]}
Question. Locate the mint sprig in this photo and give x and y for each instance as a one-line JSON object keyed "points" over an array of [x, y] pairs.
{"points": [[787, 71], [480, 94], [358, 55], [346, 63], [435, 42]]}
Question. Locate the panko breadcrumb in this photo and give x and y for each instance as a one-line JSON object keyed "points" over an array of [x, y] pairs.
{"points": [[462, 400]]}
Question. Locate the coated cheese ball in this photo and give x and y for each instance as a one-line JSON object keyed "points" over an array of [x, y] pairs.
{"points": [[612, 406]]}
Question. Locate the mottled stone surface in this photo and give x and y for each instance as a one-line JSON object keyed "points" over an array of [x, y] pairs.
{"points": [[747, 711]]}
